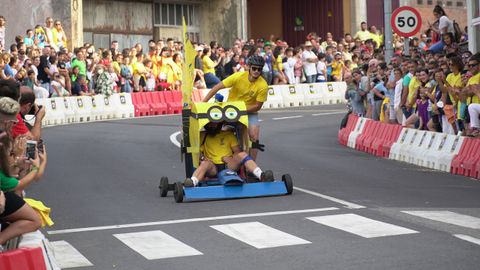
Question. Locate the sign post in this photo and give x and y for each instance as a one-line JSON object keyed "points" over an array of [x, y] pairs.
{"points": [[406, 22]]}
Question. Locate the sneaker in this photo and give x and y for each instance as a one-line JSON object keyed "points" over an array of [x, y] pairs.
{"points": [[267, 176], [475, 132], [188, 182]]}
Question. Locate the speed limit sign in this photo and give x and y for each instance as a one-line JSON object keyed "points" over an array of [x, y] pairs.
{"points": [[406, 21]]}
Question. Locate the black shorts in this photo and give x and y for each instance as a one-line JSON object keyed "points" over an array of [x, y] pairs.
{"points": [[142, 82], [220, 167], [13, 202]]}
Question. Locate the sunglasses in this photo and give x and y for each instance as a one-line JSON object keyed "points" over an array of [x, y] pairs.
{"points": [[472, 65], [258, 69]]}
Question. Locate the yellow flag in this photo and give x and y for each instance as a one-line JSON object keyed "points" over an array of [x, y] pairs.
{"points": [[188, 69]]}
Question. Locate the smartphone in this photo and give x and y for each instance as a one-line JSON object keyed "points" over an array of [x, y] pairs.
{"points": [[30, 149], [40, 146]]}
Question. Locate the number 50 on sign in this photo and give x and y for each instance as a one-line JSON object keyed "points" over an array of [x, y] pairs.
{"points": [[406, 21]]}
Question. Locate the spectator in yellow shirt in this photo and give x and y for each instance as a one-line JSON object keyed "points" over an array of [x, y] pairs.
{"points": [[209, 69], [59, 36], [375, 36], [363, 34], [139, 72], [337, 67]]}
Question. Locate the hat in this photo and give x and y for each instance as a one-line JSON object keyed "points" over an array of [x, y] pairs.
{"points": [[267, 43], [308, 43], [9, 108], [198, 48], [260, 40]]}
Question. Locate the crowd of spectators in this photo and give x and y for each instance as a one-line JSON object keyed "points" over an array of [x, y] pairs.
{"points": [[432, 86]]}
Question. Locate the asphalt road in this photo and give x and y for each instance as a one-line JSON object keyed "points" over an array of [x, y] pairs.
{"points": [[349, 210]]}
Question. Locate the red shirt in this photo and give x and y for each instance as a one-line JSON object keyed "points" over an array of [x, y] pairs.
{"points": [[20, 128]]}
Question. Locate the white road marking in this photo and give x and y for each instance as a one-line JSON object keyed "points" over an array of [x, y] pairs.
{"points": [[346, 204], [155, 245], [178, 221], [259, 235], [468, 238], [320, 114], [288, 117], [173, 138], [67, 256], [448, 217], [361, 226]]}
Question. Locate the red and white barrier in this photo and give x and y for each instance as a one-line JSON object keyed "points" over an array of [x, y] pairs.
{"points": [[445, 152]]}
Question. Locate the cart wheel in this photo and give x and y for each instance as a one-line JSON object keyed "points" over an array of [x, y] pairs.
{"points": [[163, 186], [287, 179], [178, 192]]}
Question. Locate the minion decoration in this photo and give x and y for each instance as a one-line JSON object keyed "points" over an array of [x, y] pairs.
{"points": [[233, 113]]}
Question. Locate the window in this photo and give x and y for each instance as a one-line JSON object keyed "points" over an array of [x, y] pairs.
{"points": [[449, 3], [429, 2], [459, 4], [420, 2], [171, 14]]}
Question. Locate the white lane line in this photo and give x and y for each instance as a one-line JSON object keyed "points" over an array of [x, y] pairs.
{"points": [[346, 204], [288, 117], [178, 221], [330, 113], [173, 138], [361, 226], [67, 256], [468, 238], [259, 235], [155, 245], [448, 217]]}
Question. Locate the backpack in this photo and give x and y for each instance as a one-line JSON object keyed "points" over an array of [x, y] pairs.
{"points": [[457, 31]]}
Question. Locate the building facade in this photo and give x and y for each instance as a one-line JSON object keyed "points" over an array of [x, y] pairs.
{"points": [[137, 21]]}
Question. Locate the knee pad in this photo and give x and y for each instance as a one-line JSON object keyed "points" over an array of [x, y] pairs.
{"points": [[247, 158]]}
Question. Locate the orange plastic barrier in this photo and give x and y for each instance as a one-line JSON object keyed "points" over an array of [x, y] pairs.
{"points": [[156, 106], [141, 109], [465, 161], [345, 132], [173, 102], [23, 259]]}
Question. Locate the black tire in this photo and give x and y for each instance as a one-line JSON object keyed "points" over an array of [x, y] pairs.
{"points": [[163, 186], [178, 192], [287, 179]]}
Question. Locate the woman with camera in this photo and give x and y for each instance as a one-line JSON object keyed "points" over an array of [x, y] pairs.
{"points": [[14, 212]]}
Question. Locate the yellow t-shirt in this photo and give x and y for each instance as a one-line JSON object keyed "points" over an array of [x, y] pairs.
{"points": [[414, 84], [363, 35], [474, 80], [377, 39], [454, 81], [116, 67], [138, 68], [208, 65], [218, 146], [337, 68], [244, 90], [278, 64]]}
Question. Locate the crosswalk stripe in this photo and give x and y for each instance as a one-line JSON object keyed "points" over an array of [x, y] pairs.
{"points": [[156, 245], [259, 235], [468, 238], [361, 226], [67, 256], [448, 217]]}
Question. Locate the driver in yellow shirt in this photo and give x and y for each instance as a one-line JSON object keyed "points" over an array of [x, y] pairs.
{"points": [[249, 87], [219, 151]]}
